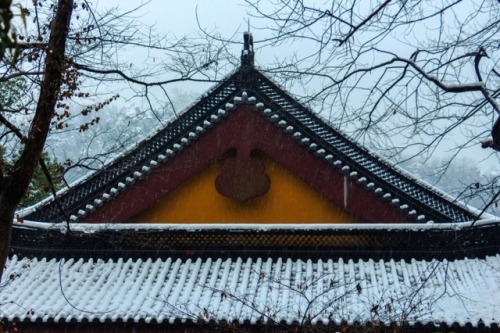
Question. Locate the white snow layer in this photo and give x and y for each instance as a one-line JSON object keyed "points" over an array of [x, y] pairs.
{"points": [[95, 227], [461, 291]]}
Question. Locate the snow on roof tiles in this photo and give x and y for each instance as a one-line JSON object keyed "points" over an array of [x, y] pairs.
{"points": [[252, 290]]}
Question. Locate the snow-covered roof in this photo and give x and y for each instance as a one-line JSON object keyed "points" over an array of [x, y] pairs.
{"points": [[248, 85], [254, 290], [417, 274]]}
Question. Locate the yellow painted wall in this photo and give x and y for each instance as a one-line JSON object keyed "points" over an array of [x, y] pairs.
{"points": [[288, 200]]}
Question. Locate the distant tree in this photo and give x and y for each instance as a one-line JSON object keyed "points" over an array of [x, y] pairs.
{"points": [[461, 178], [39, 187], [113, 135]]}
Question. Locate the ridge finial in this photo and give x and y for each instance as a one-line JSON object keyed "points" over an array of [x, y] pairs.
{"points": [[247, 55]]}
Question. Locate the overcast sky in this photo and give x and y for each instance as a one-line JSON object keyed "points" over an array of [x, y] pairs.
{"points": [[229, 18], [179, 17]]}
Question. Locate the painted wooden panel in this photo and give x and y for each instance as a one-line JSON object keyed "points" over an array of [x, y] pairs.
{"points": [[246, 131], [289, 199]]}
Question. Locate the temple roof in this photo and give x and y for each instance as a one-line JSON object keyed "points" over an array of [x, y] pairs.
{"points": [[427, 276], [261, 291], [248, 87]]}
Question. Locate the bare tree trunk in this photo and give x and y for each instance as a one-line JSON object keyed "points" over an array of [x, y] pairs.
{"points": [[14, 185]]}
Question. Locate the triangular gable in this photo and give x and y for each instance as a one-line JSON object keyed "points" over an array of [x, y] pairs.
{"points": [[288, 199], [248, 108], [245, 130]]}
